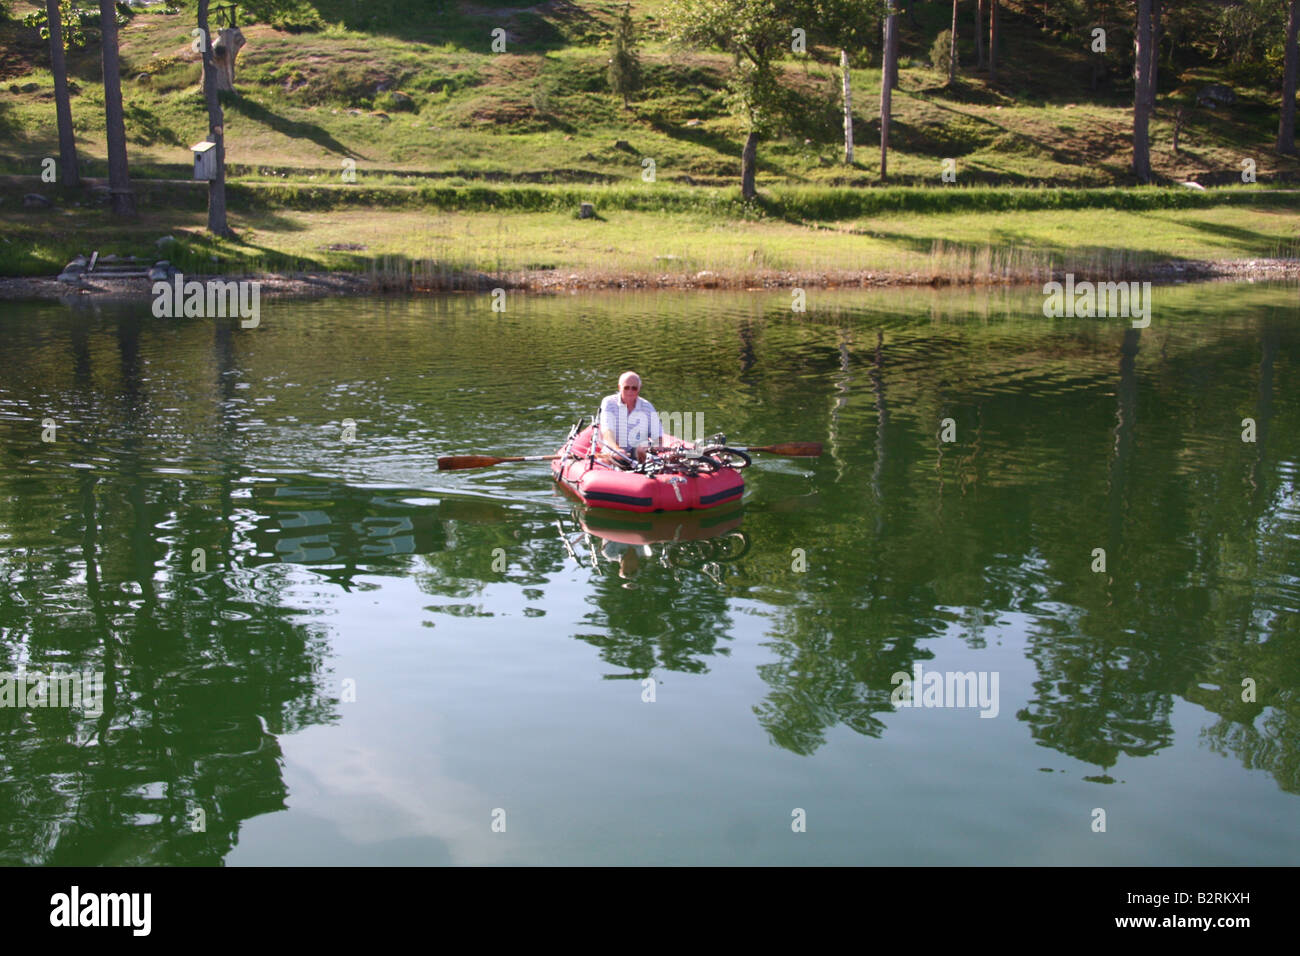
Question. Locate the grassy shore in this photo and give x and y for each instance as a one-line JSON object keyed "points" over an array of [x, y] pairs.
{"points": [[990, 235]]}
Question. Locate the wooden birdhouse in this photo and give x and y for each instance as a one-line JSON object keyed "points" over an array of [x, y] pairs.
{"points": [[205, 160]]}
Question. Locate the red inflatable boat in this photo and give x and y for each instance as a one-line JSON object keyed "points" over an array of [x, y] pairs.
{"points": [[674, 483]]}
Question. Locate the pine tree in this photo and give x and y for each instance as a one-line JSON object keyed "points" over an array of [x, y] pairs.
{"points": [[624, 66]]}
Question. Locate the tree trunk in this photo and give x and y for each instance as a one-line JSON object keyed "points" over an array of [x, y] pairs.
{"points": [[848, 109], [952, 47], [71, 177], [1286, 126], [1141, 94], [748, 160], [119, 178], [889, 67], [981, 60], [216, 130], [993, 42]]}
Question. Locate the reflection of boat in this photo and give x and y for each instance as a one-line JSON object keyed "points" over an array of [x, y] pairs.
{"points": [[698, 540], [631, 528], [601, 485]]}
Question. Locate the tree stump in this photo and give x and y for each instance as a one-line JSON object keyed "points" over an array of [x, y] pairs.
{"points": [[586, 211], [229, 42]]}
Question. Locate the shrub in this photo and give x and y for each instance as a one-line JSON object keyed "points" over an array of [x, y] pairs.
{"points": [[624, 65], [941, 51], [395, 102]]}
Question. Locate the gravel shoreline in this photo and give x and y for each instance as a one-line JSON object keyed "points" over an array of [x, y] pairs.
{"points": [[342, 284]]}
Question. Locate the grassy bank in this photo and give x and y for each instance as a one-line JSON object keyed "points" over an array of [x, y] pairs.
{"points": [[642, 231]]}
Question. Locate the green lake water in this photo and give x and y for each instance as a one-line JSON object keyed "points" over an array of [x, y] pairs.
{"points": [[318, 649]]}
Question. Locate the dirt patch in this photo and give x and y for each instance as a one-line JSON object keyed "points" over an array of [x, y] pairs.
{"points": [[510, 68], [505, 112], [21, 50]]}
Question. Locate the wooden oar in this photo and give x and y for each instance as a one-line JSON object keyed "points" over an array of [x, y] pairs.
{"points": [[795, 449], [455, 462]]}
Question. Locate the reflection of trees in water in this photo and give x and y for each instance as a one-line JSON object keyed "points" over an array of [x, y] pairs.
{"points": [[202, 669], [1095, 700], [1252, 643], [667, 607], [647, 627], [1263, 747], [830, 669], [1099, 694], [1113, 651], [1184, 545]]}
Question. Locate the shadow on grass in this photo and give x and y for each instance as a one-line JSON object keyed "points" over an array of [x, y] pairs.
{"points": [[1245, 240], [696, 136], [293, 129], [268, 259], [1007, 241], [467, 25], [724, 147], [940, 139], [963, 91], [146, 129], [8, 128], [267, 220]]}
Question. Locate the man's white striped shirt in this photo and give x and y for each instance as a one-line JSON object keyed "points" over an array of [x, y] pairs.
{"points": [[640, 424]]}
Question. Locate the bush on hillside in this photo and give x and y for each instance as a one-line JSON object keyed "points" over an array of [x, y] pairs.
{"points": [[624, 65], [941, 51]]}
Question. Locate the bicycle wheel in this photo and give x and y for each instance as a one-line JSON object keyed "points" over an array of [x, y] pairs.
{"points": [[727, 457]]}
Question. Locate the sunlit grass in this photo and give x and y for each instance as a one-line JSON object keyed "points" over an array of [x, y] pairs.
{"points": [[976, 245]]}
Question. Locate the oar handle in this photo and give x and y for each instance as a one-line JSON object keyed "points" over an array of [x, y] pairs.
{"points": [[793, 449], [458, 462]]}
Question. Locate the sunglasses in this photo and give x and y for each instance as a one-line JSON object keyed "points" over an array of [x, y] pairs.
{"points": [[634, 388]]}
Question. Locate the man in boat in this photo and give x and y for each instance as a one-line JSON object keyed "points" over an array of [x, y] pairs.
{"points": [[629, 425]]}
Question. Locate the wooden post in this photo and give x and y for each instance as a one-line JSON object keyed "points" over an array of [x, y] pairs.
{"points": [[890, 67], [848, 109]]}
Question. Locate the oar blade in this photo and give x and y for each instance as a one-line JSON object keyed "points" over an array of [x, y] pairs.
{"points": [[793, 449], [457, 462]]}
